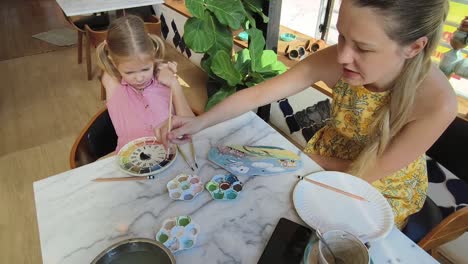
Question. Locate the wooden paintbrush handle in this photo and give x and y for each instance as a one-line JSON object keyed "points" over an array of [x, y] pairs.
{"points": [[336, 189]]}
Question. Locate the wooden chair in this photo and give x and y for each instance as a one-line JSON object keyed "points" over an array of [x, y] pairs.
{"points": [[153, 25], [94, 38], [449, 229], [96, 22], [427, 227], [96, 140]]}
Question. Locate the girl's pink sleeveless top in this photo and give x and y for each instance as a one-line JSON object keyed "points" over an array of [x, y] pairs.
{"points": [[135, 114]]}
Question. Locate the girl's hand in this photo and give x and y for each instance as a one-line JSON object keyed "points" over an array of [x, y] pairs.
{"points": [[183, 128], [167, 73]]}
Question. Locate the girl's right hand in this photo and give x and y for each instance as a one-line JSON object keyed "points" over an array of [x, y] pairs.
{"points": [[183, 127]]}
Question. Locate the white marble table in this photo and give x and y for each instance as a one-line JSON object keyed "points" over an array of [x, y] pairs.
{"points": [[79, 218], [81, 7]]}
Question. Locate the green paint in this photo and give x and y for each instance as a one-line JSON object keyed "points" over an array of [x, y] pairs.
{"points": [[231, 195], [218, 195], [188, 243], [212, 186], [163, 238], [183, 221]]}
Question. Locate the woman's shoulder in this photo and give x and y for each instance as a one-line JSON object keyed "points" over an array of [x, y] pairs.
{"points": [[436, 95]]}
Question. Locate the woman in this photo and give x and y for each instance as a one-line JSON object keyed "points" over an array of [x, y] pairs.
{"points": [[390, 103]]}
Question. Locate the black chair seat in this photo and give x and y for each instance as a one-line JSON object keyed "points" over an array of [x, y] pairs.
{"points": [[422, 222], [96, 140], [98, 21]]}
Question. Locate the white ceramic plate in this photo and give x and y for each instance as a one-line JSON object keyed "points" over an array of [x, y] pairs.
{"points": [[328, 210]]}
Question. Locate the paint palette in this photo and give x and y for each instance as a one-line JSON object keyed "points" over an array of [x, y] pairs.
{"points": [[178, 233], [255, 160], [224, 187], [145, 156], [184, 187]]}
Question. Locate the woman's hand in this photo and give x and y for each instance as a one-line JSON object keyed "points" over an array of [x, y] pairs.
{"points": [[183, 128], [167, 73]]}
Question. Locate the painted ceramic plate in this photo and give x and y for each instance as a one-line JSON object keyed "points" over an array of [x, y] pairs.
{"points": [[184, 187], [144, 156], [224, 187], [255, 160], [178, 233], [328, 210]]}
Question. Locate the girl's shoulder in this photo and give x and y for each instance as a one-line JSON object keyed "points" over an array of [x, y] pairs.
{"points": [[435, 95], [110, 84]]}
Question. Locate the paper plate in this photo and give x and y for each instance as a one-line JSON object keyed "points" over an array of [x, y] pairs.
{"points": [[144, 156], [328, 210]]}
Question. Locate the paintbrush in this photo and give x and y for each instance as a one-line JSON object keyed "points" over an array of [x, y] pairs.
{"points": [[132, 178], [323, 185]]}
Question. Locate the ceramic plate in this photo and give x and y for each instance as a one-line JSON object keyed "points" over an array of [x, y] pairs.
{"points": [[144, 156], [327, 210], [224, 187], [184, 187], [178, 233]]}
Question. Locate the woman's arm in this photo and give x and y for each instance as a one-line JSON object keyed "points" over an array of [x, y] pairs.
{"points": [[435, 108], [331, 163]]}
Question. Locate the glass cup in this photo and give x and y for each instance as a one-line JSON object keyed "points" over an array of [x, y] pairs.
{"points": [[347, 248]]}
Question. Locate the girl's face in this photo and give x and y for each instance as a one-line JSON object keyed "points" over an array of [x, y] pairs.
{"points": [[368, 56], [137, 71]]}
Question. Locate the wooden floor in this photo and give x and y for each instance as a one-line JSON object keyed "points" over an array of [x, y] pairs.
{"points": [[20, 19], [45, 100]]}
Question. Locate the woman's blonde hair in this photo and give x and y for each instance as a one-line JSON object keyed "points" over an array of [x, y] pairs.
{"points": [[404, 21], [127, 37]]}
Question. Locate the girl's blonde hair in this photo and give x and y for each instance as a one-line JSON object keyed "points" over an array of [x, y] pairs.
{"points": [[127, 37], [405, 21]]}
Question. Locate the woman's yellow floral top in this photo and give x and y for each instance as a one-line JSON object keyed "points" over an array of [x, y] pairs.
{"points": [[346, 134]]}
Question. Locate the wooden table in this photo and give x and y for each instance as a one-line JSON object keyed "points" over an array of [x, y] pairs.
{"points": [[81, 7]]}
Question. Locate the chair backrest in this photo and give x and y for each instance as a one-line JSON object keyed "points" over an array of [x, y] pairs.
{"points": [[153, 25], [449, 229], [96, 140], [451, 149], [95, 37]]}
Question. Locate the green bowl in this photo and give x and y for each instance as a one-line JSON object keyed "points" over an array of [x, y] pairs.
{"points": [[287, 37]]}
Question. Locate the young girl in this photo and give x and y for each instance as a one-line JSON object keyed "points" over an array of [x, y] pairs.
{"points": [[137, 83], [390, 103]]}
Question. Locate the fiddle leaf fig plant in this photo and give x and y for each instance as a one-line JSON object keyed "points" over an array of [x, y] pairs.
{"points": [[209, 31]]}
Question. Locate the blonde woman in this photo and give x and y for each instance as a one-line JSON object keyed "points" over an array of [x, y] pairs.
{"points": [[137, 83], [390, 103]]}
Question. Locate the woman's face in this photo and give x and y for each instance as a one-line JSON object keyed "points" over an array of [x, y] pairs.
{"points": [[137, 71], [368, 56]]}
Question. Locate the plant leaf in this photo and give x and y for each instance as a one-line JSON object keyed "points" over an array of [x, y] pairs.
{"points": [[242, 61], [196, 7], [199, 33], [228, 12], [222, 39], [269, 63], [224, 68], [205, 63], [250, 22], [256, 45], [256, 6], [219, 96]]}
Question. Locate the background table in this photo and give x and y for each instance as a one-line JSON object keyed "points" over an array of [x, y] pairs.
{"points": [[79, 218], [81, 7]]}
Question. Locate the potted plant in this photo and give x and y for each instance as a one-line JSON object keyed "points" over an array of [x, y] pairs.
{"points": [[209, 31]]}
